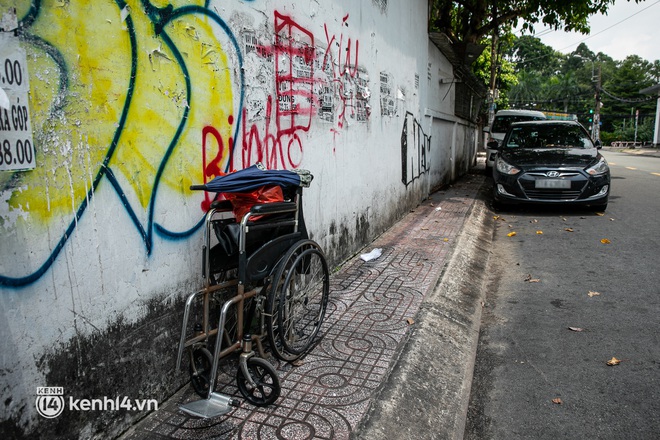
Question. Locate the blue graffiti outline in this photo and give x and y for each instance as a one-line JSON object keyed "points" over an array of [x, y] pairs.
{"points": [[160, 17], [160, 24], [28, 279]]}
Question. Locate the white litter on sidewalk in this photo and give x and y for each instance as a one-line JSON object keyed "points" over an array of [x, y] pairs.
{"points": [[372, 255]]}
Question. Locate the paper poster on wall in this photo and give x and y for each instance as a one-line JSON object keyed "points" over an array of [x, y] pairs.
{"points": [[16, 146]]}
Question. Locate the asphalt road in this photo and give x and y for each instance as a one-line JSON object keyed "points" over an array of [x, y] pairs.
{"points": [[567, 293]]}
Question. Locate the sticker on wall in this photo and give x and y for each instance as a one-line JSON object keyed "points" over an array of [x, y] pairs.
{"points": [[387, 104], [16, 146]]}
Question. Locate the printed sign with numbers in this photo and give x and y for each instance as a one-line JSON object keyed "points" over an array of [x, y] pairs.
{"points": [[16, 146]]}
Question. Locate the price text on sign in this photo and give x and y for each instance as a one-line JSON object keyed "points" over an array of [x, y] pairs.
{"points": [[16, 145]]}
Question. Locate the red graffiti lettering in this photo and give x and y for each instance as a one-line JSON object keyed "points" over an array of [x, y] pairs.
{"points": [[340, 67], [350, 88], [277, 139], [279, 150], [291, 110], [294, 74], [212, 156]]}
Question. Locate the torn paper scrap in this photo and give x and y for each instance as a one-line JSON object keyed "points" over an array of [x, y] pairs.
{"points": [[4, 100]]}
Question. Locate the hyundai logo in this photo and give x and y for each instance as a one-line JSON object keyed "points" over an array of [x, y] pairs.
{"points": [[552, 174]]}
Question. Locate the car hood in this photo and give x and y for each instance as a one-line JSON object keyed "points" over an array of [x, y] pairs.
{"points": [[553, 158]]}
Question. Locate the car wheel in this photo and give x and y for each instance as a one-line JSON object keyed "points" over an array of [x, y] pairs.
{"points": [[497, 206]]}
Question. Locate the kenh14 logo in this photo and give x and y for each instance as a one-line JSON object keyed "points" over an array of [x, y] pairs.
{"points": [[50, 401]]}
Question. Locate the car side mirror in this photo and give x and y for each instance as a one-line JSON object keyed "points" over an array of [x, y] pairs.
{"points": [[598, 144], [493, 145]]}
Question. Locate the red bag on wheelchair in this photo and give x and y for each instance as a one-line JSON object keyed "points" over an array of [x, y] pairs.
{"points": [[243, 202]]}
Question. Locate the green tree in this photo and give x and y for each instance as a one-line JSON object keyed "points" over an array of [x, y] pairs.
{"points": [[584, 65], [620, 86], [564, 88], [655, 71], [527, 93], [506, 73], [470, 21], [581, 61], [529, 53]]}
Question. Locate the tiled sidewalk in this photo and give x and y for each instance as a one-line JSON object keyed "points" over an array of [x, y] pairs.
{"points": [[372, 308]]}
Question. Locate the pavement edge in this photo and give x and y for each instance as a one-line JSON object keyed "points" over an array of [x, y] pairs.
{"points": [[428, 391]]}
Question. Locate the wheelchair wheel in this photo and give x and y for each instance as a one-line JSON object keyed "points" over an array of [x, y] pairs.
{"points": [[272, 327], [201, 363], [263, 374], [297, 300]]}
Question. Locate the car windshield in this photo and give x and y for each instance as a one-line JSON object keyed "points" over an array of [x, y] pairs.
{"points": [[548, 136], [502, 123]]}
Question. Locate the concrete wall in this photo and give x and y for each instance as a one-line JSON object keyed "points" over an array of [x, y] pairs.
{"points": [[129, 103]]}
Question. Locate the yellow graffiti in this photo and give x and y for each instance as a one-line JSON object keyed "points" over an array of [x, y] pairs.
{"points": [[93, 41], [117, 90]]}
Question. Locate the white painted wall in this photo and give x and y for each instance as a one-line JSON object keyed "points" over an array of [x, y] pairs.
{"points": [[120, 122]]}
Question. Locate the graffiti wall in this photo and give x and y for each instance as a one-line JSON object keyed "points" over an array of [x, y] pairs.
{"points": [[111, 109]]}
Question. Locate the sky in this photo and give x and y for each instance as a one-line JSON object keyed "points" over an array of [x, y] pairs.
{"points": [[629, 28]]}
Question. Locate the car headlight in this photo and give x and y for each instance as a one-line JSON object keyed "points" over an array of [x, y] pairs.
{"points": [[505, 167], [600, 168]]}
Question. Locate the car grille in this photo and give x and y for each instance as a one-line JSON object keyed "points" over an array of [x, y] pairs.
{"points": [[552, 195], [527, 184]]}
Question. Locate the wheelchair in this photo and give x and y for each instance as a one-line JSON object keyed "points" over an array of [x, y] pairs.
{"points": [[266, 285]]}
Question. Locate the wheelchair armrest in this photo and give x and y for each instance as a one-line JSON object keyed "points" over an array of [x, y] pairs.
{"points": [[273, 208], [221, 205]]}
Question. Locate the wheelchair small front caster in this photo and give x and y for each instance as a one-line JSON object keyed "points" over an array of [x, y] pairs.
{"points": [[262, 388], [256, 378]]}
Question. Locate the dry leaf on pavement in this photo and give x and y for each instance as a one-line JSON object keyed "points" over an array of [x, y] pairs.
{"points": [[605, 241], [529, 279], [557, 400], [614, 361], [539, 232], [410, 321], [511, 234], [592, 293], [568, 229], [576, 329]]}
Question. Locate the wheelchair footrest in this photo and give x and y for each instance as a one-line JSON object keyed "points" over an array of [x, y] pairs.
{"points": [[215, 405]]}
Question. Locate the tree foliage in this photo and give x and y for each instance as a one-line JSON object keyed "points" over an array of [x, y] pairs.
{"points": [[529, 53], [530, 74], [470, 21], [506, 74], [571, 83]]}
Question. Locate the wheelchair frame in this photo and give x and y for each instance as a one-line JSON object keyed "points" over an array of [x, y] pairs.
{"points": [[286, 314]]}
